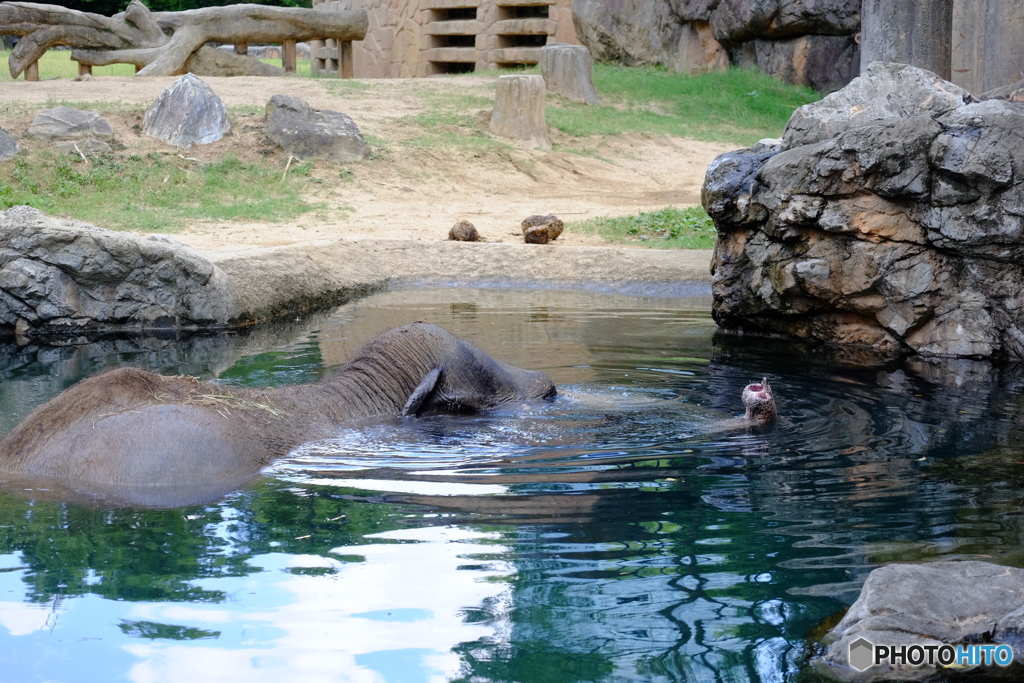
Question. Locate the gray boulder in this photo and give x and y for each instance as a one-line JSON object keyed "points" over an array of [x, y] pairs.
{"points": [[929, 604], [9, 147], [636, 32], [61, 278], [736, 21], [305, 132], [890, 217], [65, 123], [825, 63], [186, 113], [885, 92]]}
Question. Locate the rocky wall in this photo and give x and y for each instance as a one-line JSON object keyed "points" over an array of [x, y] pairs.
{"points": [[890, 215], [809, 42]]}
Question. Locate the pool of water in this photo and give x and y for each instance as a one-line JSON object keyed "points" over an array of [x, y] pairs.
{"points": [[615, 534]]}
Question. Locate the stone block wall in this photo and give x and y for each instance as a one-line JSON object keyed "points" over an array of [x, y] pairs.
{"points": [[416, 38]]}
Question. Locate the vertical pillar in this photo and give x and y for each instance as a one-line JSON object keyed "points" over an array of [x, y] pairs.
{"points": [[345, 59], [241, 48], [32, 72], [1004, 43], [84, 69], [967, 68], [288, 56], [915, 32]]}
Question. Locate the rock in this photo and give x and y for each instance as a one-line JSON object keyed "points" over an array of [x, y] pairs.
{"points": [[463, 231], [634, 32], [913, 33], [207, 61], [65, 123], [305, 132], [9, 147], [61, 278], [937, 603], [568, 71], [885, 92], [87, 147], [1011, 93], [825, 63], [539, 229], [186, 113], [519, 111], [891, 217], [737, 21]]}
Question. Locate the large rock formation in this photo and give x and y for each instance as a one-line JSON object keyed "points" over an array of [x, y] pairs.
{"points": [[66, 278], [891, 215], [941, 603], [810, 42]]}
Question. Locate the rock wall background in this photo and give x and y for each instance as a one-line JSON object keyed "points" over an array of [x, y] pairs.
{"points": [[809, 42], [890, 216]]}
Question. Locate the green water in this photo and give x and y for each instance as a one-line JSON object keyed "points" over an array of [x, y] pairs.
{"points": [[613, 535]]}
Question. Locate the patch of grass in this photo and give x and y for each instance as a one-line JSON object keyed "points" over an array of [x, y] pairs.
{"points": [[156, 192], [58, 64], [737, 105], [670, 228]]}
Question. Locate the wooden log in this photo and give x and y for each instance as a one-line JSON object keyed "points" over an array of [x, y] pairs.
{"points": [[288, 56], [519, 111], [345, 66], [568, 71], [161, 42], [241, 48], [32, 72], [84, 69]]}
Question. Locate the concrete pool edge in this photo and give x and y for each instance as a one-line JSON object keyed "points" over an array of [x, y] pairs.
{"points": [[274, 282]]}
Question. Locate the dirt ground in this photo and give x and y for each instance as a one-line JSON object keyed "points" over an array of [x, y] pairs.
{"points": [[407, 190]]}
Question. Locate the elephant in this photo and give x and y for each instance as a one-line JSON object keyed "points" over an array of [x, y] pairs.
{"points": [[132, 435]]}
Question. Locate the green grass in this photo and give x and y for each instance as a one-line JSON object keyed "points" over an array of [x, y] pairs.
{"points": [[155, 192], [669, 228], [58, 64], [739, 105]]}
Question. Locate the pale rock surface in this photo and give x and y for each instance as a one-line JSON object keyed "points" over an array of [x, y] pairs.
{"points": [[66, 123], [9, 147], [187, 113], [305, 132], [929, 604]]}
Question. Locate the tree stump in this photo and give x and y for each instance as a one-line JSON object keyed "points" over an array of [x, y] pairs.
{"points": [[568, 71], [519, 111]]}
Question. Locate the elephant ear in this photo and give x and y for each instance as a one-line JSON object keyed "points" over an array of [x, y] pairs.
{"points": [[420, 393]]}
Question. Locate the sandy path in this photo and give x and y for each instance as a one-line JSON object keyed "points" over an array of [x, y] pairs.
{"points": [[407, 191]]}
